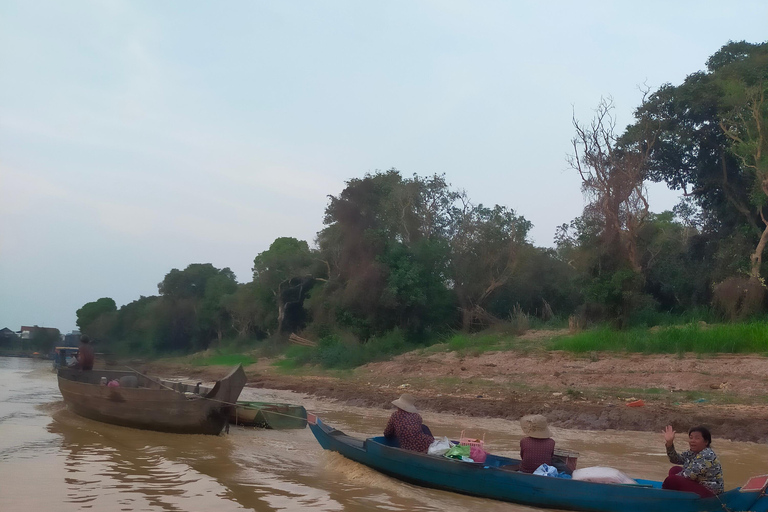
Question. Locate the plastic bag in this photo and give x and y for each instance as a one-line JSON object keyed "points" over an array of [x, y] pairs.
{"points": [[602, 475], [546, 470], [477, 454], [458, 451], [440, 446]]}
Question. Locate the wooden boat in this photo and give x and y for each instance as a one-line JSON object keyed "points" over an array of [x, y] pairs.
{"points": [[151, 404], [490, 479], [269, 415]]}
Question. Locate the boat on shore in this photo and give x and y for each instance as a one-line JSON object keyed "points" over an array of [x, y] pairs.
{"points": [[490, 479], [148, 403], [269, 415]]}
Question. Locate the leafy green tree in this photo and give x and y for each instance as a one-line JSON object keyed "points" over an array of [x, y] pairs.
{"points": [[190, 313], [712, 143], [286, 270], [135, 330], [542, 285], [250, 310], [485, 247], [43, 340], [385, 248], [91, 311]]}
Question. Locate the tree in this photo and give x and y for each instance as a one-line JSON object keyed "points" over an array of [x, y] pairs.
{"points": [[385, 247], [249, 313], [91, 311], [44, 339], [135, 328], [485, 244], [745, 124], [286, 270], [712, 142], [613, 176], [192, 281], [191, 306]]}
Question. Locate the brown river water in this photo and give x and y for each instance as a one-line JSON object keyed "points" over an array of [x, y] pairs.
{"points": [[51, 459]]}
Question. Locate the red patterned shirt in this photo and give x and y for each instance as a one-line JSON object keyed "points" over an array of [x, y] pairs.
{"points": [[406, 427], [535, 452]]}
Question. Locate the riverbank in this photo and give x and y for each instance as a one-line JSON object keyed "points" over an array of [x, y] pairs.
{"points": [[727, 393]]}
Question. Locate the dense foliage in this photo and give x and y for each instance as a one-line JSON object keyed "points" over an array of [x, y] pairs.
{"points": [[402, 260]]}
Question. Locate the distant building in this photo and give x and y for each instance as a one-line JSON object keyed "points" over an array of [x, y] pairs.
{"points": [[27, 332], [71, 339], [7, 337]]}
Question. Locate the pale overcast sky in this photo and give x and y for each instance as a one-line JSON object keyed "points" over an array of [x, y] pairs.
{"points": [[141, 136]]}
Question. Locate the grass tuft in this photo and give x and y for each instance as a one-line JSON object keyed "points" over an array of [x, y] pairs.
{"points": [[751, 337]]}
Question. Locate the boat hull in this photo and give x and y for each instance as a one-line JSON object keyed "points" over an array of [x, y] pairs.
{"points": [[491, 480], [269, 415], [151, 405]]}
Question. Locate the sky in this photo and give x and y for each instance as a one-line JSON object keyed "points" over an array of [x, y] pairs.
{"points": [[141, 136]]}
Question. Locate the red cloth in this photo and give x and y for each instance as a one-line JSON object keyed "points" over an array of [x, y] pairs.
{"points": [[406, 427], [535, 452], [677, 482]]}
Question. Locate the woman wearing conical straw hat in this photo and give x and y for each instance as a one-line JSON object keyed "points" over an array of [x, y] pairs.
{"points": [[537, 447], [407, 427]]}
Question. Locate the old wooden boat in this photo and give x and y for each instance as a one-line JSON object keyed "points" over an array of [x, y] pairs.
{"points": [[149, 403], [269, 415], [490, 479]]}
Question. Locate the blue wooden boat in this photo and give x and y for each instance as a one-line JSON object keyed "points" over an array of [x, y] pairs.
{"points": [[491, 480]]}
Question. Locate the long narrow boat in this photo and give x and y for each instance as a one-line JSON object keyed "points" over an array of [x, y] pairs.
{"points": [[269, 415], [491, 480], [151, 404]]}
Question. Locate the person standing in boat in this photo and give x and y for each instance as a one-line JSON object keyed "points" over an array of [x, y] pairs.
{"points": [[407, 427], [85, 354], [537, 447], [700, 471]]}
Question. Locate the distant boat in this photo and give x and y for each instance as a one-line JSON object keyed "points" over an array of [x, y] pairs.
{"points": [[269, 415], [490, 479], [151, 404], [63, 356]]}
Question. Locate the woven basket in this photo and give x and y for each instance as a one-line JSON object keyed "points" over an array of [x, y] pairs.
{"points": [[468, 441]]}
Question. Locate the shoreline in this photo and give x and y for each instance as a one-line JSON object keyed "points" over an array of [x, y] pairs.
{"points": [[576, 396]]}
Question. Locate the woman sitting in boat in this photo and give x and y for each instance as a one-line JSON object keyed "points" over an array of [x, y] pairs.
{"points": [[407, 427], [700, 471], [538, 446]]}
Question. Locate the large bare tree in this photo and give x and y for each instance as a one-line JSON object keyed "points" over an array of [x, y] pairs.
{"points": [[613, 175]]}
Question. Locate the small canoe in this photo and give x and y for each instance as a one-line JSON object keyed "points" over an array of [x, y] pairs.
{"points": [[494, 479], [269, 415], [149, 403]]}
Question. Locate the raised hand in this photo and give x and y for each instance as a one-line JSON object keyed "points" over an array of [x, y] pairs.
{"points": [[669, 435]]}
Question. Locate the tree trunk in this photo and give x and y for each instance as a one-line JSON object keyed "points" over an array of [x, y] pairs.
{"points": [[280, 315], [757, 256], [466, 317]]}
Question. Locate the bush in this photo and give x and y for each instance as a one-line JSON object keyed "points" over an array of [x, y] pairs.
{"points": [[333, 351]]}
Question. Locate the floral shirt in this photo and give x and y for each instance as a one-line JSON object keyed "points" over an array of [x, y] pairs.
{"points": [[535, 452], [703, 467], [406, 427]]}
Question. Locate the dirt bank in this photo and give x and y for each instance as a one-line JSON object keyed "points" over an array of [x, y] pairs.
{"points": [[726, 393]]}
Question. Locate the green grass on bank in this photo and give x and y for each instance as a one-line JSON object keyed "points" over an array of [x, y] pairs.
{"points": [[341, 353], [748, 337]]}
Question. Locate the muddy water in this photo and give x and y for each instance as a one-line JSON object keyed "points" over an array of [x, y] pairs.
{"points": [[53, 459]]}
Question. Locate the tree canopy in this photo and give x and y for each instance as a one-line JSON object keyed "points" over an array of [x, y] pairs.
{"points": [[414, 255]]}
